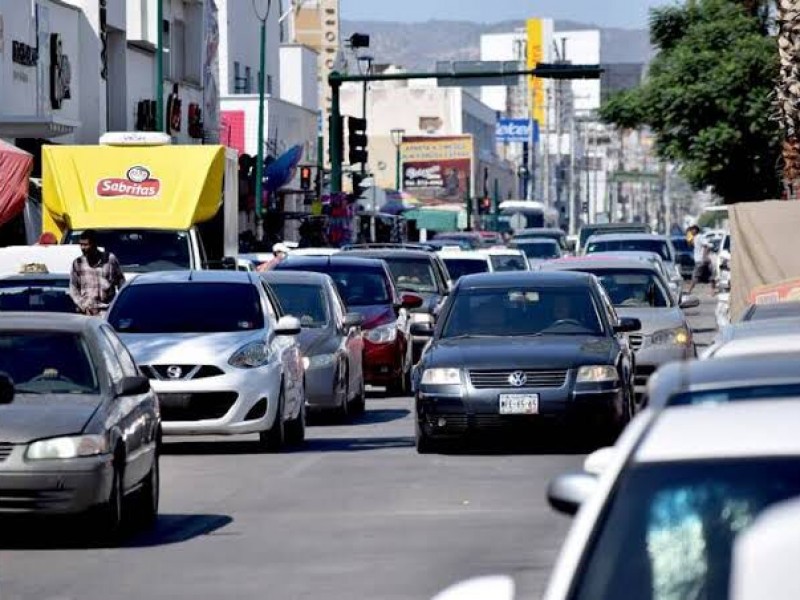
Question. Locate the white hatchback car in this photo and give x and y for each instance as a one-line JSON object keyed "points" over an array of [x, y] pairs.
{"points": [[221, 356]]}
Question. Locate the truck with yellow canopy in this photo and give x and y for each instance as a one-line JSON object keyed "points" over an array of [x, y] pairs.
{"points": [[156, 206]]}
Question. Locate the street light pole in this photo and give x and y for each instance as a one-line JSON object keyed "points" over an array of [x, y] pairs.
{"points": [[397, 140], [368, 60], [262, 76], [159, 87]]}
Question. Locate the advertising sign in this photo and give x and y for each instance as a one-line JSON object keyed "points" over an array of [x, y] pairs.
{"points": [[536, 56], [516, 131], [784, 291], [437, 170]]}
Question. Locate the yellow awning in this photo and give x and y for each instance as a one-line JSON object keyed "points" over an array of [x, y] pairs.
{"points": [[154, 187]]}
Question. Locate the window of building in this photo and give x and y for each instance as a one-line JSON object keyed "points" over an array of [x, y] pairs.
{"points": [[193, 43]]}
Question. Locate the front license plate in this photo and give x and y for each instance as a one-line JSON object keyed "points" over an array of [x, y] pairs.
{"points": [[519, 404]]}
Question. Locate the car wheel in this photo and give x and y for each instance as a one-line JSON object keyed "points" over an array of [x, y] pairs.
{"points": [[273, 439], [108, 524], [343, 410], [296, 428], [149, 495]]}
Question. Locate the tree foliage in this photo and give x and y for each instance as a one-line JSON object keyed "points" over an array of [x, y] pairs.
{"points": [[709, 97]]}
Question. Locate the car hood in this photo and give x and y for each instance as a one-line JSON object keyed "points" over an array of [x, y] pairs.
{"points": [[375, 315], [654, 319], [546, 352], [186, 348], [33, 417], [317, 341]]}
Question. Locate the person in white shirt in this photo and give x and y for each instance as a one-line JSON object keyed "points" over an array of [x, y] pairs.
{"points": [[702, 260]]}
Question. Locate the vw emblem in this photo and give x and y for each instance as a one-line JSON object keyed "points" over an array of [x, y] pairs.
{"points": [[517, 379], [174, 372]]}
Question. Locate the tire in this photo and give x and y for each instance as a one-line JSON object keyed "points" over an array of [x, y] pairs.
{"points": [[273, 439], [343, 411], [424, 443], [399, 386], [108, 524], [149, 496], [296, 428]]}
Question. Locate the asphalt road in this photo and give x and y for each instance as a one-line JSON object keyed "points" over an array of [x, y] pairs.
{"points": [[355, 514]]}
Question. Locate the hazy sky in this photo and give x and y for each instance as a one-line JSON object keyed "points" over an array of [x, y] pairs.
{"points": [[618, 13]]}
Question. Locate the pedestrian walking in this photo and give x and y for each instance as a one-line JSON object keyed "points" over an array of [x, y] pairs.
{"points": [[280, 251], [95, 278], [702, 261]]}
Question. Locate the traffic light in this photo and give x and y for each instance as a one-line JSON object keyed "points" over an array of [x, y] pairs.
{"points": [[338, 140], [357, 138], [305, 178], [358, 188]]}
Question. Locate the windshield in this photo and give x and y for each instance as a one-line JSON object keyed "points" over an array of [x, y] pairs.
{"points": [[539, 249], [660, 247], [183, 307], [47, 363], [412, 275], [458, 267], [587, 232], [675, 525], [144, 250], [633, 288], [36, 296], [508, 262], [304, 301], [523, 312], [756, 392]]}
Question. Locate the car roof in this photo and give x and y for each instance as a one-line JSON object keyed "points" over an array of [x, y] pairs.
{"points": [[340, 260], [765, 328], [724, 431], [507, 279], [605, 237], [541, 230], [304, 277], [600, 264], [462, 255], [389, 253], [43, 321], [200, 276], [776, 310], [720, 373], [534, 240]]}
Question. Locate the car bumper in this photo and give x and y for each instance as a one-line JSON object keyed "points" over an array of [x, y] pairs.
{"points": [[54, 487], [383, 363], [321, 387], [237, 402], [650, 358]]}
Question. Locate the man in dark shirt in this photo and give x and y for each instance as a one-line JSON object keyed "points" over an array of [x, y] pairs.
{"points": [[95, 278]]}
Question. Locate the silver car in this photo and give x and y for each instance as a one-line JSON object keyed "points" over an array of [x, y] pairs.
{"points": [[331, 342], [79, 426], [637, 290], [219, 352], [645, 242]]}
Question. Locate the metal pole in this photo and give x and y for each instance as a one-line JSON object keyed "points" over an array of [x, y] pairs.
{"points": [[546, 150], [468, 202], [595, 168], [573, 203], [364, 109], [159, 87], [262, 76], [335, 139], [397, 169]]}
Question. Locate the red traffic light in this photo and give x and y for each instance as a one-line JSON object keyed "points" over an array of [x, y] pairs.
{"points": [[305, 178]]}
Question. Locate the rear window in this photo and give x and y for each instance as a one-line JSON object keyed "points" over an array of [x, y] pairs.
{"points": [[413, 275], [458, 267], [357, 285], [304, 301], [36, 296], [47, 362], [187, 308], [539, 249], [764, 392], [660, 247], [508, 262]]}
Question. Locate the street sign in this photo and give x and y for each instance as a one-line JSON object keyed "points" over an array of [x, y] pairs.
{"points": [[516, 131]]}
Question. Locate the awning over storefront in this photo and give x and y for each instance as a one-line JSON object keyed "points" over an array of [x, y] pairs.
{"points": [[15, 169], [436, 220], [33, 126]]}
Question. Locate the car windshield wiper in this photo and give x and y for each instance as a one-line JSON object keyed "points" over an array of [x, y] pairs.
{"points": [[466, 336]]}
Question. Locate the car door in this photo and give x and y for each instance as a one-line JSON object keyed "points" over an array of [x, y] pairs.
{"points": [[287, 349], [352, 341]]}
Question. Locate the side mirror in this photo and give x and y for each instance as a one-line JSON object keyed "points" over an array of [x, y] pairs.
{"points": [[628, 325], [689, 301], [493, 587], [597, 462], [422, 329], [353, 320], [566, 493], [410, 301], [6, 389], [288, 326], [133, 386], [229, 263]]}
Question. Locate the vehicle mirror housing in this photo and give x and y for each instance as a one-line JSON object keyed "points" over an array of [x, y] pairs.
{"points": [[566, 493], [411, 301], [6, 389], [493, 587], [628, 325], [353, 320], [422, 329], [288, 326], [133, 386], [689, 301], [597, 462]]}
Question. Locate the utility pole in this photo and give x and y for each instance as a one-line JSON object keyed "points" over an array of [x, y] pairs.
{"points": [[159, 87], [572, 197], [546, 149]]}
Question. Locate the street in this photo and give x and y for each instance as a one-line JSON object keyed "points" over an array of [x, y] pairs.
{"points": [[355, 514]]}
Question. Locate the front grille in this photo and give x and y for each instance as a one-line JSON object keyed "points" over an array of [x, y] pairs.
{"points": [[486, 379], [5, 450], [636, 341], [180, 372], [198, 406], [22, 501], [642, 374]]}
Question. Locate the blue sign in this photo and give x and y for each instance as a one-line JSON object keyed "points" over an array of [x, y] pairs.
{"points": [[517, 130]]}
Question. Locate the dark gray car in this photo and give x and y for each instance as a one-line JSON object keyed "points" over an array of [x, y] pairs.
{"points": [[79, 426], [330, 340]]}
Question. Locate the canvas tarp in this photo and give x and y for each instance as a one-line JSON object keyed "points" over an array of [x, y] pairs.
{"points": [[763, 253], [15, 169]]}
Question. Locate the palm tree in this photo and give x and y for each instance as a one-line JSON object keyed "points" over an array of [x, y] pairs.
{"points": [[788, 93]]}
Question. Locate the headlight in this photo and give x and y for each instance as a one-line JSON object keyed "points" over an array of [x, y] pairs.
{"points": [[385, 334], [441, 377], [68, 447], [679, 336], [597, 374], [250, 356], [319, 361]]}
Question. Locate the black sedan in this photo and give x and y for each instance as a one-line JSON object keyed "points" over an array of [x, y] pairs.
{"points": [[79, 426], [512, 349]]}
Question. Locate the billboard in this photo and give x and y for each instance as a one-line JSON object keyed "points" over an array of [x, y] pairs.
{"points": [[437, 170], [516, 131], [536, 55]]}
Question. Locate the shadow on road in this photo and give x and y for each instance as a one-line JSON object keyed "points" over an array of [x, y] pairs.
{"points": [[221, 447], [356, 444], [371, 416], [76, 533]]}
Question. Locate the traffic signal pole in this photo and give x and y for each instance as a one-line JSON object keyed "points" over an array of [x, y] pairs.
{"points": [[335, 80]]}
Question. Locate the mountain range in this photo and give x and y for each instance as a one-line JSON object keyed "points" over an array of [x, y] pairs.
{"points": [[417, 46]]}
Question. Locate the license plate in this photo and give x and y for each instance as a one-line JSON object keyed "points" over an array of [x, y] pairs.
{"points": [[519, 404]]}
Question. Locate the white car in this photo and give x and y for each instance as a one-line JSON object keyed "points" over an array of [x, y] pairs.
{"points": [[506, 259], [772, 336], [221, 356], [658, 513], [465, 262]]}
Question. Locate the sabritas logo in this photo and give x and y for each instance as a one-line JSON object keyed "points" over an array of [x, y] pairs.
{"points": [[137, 184]]}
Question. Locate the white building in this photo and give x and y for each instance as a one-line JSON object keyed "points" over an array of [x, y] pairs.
{"points": [[582, 48]]}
